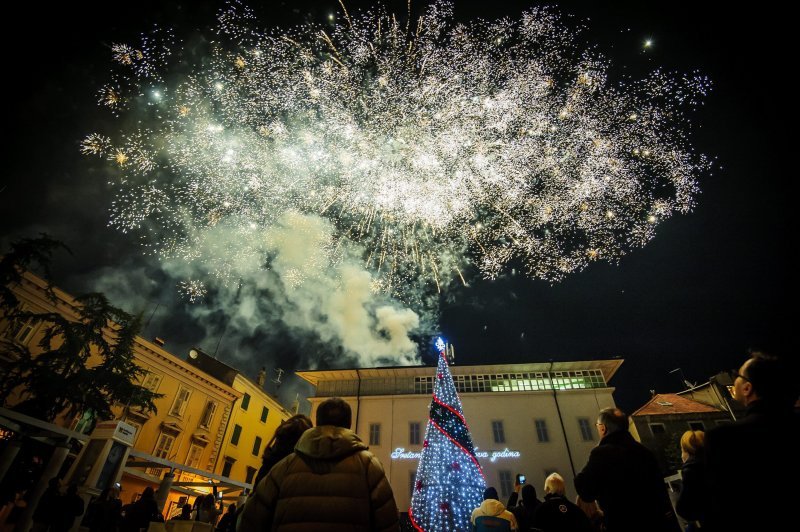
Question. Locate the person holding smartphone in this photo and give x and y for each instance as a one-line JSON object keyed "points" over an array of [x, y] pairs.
{"points": [[523, 509]]}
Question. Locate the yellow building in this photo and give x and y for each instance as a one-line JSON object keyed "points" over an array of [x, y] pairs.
{"points": [[253, 421], [192, 425]]}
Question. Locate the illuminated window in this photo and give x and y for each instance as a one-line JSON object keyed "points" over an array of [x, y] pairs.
{"points": [[86, 422]]}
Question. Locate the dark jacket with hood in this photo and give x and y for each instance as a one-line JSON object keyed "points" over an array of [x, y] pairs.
{"points": [[330, 483]]}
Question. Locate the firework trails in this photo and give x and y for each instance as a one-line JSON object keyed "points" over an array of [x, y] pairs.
{"points": [[434, 149]]}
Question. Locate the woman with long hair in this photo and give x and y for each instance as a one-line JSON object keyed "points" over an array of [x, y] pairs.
{"points": [[282, 443]]}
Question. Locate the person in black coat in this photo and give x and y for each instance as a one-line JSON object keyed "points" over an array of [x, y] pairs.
{"points": [[227, 522], [624, 477], [527, 507], [139, 514], [749, 462], [45, 515], [556, 513], [70, 506], [692, 502]]}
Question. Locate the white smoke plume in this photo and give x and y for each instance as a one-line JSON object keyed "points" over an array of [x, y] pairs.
{"points": [[310, 289]]}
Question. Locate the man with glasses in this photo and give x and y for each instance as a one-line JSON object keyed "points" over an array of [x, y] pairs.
{"points": [[623, 476], [750, 461]]}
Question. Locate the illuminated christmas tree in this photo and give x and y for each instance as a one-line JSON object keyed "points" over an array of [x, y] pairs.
{"points": [[450, 481]]}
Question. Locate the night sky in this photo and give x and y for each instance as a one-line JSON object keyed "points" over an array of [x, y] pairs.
{"points": [[710, 285]]}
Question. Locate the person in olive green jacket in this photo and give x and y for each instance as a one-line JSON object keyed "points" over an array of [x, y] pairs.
{"points": [[331, 482]]}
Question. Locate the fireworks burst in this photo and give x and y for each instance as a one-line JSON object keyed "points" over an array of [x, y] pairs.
{"points": [[441, 149], [195, 290]]}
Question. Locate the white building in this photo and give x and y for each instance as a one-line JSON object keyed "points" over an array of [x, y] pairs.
{"points": [[531, 419]]}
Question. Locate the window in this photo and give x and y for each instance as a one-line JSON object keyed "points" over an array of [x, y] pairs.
{"points": [[374, 434], [237, 433], [208, 414], [696, 425], [251, 472], [541, 431], [193, 458], [264, 414], [22, 329], [226, 468], [164, 446], [162, 450], [657, 429], [257, 446], [413, 433], [151, 381], [586, 429], [498, 432], [245, 401], [181, 400], [505, 483], [86, 422], [412, 483]]}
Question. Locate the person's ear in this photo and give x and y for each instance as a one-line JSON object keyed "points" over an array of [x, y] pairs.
{"points": [[747, 389]]}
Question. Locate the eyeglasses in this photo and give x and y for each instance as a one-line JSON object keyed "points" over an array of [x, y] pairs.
{"points": [[733, 374]]}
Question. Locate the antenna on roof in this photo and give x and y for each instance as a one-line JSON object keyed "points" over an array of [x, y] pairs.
{"points": [[277, 380], [689, 384]]}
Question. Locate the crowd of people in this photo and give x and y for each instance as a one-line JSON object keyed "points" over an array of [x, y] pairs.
{"points": [[323, 477], [733, 477]]}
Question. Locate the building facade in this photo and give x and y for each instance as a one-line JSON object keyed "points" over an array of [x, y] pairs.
{"points": [[532, 419], [253, 420], [194, 419]]}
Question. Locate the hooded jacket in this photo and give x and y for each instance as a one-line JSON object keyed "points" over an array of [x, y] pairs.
{"points": [[494, 508], [331, 482]]}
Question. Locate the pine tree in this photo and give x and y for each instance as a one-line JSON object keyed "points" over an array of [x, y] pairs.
{"points": [[56, 377], [450, 481]]}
